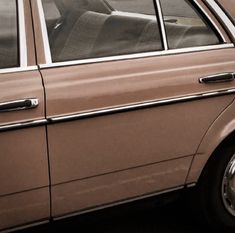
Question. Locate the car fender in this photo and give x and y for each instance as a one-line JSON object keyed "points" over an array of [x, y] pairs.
{"points": [[220, 130]]}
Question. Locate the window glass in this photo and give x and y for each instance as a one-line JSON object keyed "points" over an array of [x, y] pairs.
{"points": [[8, 34], [185, 27], [80, 29]]}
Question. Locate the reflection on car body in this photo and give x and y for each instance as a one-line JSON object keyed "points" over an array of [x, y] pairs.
{"points": [[104, 102]]}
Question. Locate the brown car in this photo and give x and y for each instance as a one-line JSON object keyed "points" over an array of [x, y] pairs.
{"points": [[103, 102]]}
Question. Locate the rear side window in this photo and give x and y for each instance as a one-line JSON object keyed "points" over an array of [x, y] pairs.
{"points": [[8, 34], [185, 27], [80, 29]]}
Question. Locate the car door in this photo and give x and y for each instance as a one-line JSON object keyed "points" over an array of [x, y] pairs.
{"points": [[24, 181], [126, 107]]}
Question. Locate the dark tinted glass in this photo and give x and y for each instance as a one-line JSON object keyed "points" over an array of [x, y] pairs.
{"points": [[8, 34], [80, 29], [185, 27]]}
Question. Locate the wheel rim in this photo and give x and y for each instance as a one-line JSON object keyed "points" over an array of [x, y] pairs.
{"points": [[228, 187]]}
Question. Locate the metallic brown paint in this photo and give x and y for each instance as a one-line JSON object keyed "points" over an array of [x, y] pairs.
{"points": [[92, 192], [23, 156], [229, 6], [114, 143], [24, 208], [110, 158]]}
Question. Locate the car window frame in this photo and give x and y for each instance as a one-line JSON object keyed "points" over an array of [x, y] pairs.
{"points": [[165, 51], [21, 42], [218, 10]]}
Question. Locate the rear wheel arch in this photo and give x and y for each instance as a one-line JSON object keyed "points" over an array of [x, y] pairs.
{"points": [[228, 141], [220, 134]]}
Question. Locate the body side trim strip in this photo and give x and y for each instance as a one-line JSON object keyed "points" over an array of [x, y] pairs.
{"points": [[23, 124], [142, 105], [115, 110], [125, 201]]}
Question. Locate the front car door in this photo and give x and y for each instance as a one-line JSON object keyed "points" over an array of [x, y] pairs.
{"points": [[126, 107], [24, 183]]}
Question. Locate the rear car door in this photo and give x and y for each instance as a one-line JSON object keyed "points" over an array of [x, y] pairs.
{"points": [[24, 191], [125, 104]]}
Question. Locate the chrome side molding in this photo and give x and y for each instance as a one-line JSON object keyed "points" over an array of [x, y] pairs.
{"points": [[142, 105], [18, 105], [116, 110], [23, 125]]}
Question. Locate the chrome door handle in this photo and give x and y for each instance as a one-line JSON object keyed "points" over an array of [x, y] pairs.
{"points": [[17, 105], [218, 78]]}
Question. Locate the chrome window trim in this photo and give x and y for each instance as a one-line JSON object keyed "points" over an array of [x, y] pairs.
{"points": [[22, 35], [211, 20], [22, 43], [118, 109], [18, 69], [162, 25], [137, 55], [47, 49], [50, 64], [222, 15]]}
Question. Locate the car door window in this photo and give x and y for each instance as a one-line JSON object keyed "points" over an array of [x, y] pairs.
{"points": [[8, 34], [185, 27], [100, 28]]}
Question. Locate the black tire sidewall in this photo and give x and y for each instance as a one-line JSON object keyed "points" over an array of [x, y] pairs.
{"points": [[211, 191]]}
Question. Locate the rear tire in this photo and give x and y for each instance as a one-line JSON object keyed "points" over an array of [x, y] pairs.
{"points": [[217, 191]]}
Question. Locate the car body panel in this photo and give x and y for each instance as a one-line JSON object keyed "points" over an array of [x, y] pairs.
{"points": [[229, 6], [219, 131], [71, 163], [24, 177], [85, 194], [24, 162], [92, 87], [24, 207], [17, 86]]}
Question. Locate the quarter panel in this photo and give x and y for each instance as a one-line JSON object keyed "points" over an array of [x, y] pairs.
{"points": [[219, 130]]}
